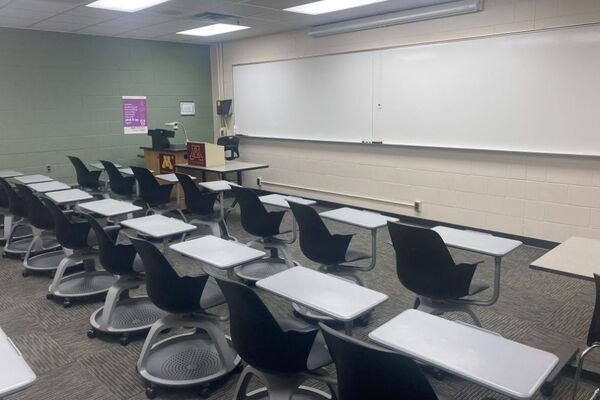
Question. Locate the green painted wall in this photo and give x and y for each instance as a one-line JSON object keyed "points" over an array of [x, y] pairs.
{"points": [[60, 94]]}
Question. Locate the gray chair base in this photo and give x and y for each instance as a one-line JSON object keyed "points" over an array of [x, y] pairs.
{"points": [[189, 359], [51, 253], [123, 315], [17, 246], [580, 359], [88, 283], [266, 267]]}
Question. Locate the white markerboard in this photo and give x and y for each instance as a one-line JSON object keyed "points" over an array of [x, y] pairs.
{"points": [[527, 92], [321, 98], [534, 92]]}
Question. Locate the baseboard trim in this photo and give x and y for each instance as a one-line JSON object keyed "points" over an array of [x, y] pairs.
{"points": [[544, 244]]}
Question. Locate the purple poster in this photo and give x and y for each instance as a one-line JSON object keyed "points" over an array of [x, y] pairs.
{"points": [[135, 115]]}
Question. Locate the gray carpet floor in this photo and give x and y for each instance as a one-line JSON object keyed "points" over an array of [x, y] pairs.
{"points": [[536, 308]]}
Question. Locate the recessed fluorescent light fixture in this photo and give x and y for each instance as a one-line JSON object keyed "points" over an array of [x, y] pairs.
{"points": [[125, 5], [397, 18], [212, 30], [327, 6]]}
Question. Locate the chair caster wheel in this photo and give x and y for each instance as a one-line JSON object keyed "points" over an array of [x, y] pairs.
{"points": [[547, 389], [67, 304], [124, 340], [25, 273], [49, 296], [150, 392], [91, 333], [205, 392]]}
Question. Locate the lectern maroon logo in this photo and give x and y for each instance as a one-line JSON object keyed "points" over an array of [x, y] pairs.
{"points": [[167, 163], [196, 153]]}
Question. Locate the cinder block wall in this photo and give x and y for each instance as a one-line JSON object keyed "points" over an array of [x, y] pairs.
{"points": [[549, 198], [60, 94]]}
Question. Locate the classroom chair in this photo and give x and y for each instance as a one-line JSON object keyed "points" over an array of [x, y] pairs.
{"points": [[155, 195], [17, 220], [120, 186], [4, 210], [257, 221], [185, 300], [200, 206], [73, 234], [365, 371], [86, 179], [44, 240], [332, 252], [281, 353], [425, 266], [232, 145], [593, 338], [121, 314]]}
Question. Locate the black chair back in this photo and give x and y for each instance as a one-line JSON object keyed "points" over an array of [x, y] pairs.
{"points": [[425, 266], [231, 144], [39, 216], [197, 201], [369, 372], [70, 234], [594, 332], [167, 290], [3, 197], [16, 204], [115, 258], [256, 220], [151, 191], [85, 178], [258, 338], [316, 242], [118, 183]]}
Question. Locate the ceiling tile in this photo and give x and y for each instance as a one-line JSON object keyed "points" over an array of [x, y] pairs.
{"points": [[58, 26], [163, 21]]}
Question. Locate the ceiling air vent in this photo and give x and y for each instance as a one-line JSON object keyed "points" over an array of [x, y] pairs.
{"points": [[213, 16]]}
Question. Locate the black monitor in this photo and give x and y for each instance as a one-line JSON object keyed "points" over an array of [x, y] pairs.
{"points": [[223, 107], [160, 138]]}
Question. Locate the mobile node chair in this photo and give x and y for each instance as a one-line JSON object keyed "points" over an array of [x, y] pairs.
{"points": [[120, 186], [369, 372], [155, 195], [73, 235], [17, 221], [425, 266], [257, 221], [195, 358], [43, 236], [332, 252], [281, 353], [593, 338], [86, 179], [200, 206], [121, 314]]}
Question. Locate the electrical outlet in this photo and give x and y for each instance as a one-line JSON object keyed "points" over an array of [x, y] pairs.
{"points": [[258, 181], [48, 168]]}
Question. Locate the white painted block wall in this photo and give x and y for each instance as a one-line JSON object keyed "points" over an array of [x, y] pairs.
{"points": [[545, 197]]}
